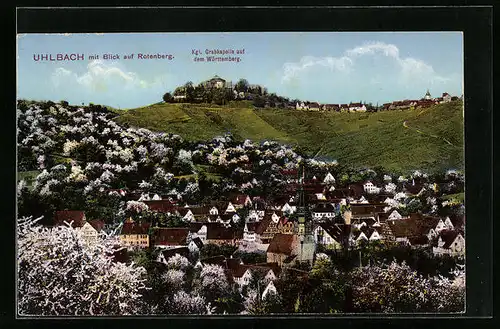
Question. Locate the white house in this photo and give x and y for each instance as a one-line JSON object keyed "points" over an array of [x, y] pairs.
{"points": [[90, 231], [288, 209], [440, 226], [213, 211], [189, 217], [249, 234], [230, 208], [450, 243], [370, 188], [446, 98], [156, 197], [375, 236], [301, 106], [395, 215], [270, 289], [361, 237], [329, 179], [357, 107]]}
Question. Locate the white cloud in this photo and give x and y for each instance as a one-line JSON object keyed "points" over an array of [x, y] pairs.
{"points": [[100, 77], [108, 83], [291, 70], [408, 69]]}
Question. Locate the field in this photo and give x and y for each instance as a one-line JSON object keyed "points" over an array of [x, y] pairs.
{"points": [[429, 139]]}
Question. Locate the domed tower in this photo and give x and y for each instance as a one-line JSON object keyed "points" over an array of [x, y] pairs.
{"points": [[427, 95]]}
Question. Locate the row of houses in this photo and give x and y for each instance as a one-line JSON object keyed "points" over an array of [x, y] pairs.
{"points": [[314, 106], [424, 102]]}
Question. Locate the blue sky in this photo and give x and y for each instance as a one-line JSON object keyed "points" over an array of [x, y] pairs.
{"points": [[327, 67]]}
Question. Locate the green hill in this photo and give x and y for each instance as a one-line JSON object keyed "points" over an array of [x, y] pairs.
{"points": [[429, 139]]}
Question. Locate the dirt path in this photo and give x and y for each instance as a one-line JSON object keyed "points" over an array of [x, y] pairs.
{"points": [[405, 124]]}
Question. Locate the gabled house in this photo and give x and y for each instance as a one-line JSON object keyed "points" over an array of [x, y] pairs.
{"points": [[192, 214], [269, 290], [288, 209], [281, 247], [267, 228], [357, 107], [219, 234], [230, 208], [446, 98], [450, 242], [415, 230], [135, 234], [394, 215], [362, 211], [329, 179], [329, 235], [91, 230], [314, 106], [213, 211], [301, 106], [198, 230], [249, 233]]}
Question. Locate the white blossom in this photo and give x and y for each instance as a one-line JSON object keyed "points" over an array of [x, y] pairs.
{"points": [[137, 206], [59, 273]]}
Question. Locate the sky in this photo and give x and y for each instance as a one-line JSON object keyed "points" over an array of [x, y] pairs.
{"points": [[326, 67]]}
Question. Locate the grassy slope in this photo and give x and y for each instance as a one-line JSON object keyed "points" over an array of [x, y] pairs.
{"points": [[360, 139]]}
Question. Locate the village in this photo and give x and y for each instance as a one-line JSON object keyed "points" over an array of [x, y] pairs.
{"points": [[315, 216], [224, 225]]}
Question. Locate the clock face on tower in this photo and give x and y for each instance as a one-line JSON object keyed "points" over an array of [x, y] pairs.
{"points": [[302, 219]]}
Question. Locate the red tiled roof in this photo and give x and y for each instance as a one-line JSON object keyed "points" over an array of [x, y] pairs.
{"points": [[220, 232], [448, 236], [75, 216], [170, 236], [97, 224], [414, 226], [135, 228], [161, 205], [336, 231], [282, 244]]}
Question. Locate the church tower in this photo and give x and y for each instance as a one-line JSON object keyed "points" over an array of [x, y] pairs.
{"points": [[427, 95], [304, 224]]}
